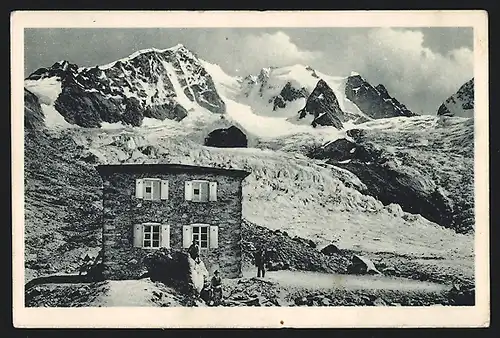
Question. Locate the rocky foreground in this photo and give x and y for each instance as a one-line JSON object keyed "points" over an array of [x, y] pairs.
{"points": [[237, 292], [300, 275]]}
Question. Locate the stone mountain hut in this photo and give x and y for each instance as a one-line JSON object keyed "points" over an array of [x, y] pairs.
{"points": [[152, 206]]}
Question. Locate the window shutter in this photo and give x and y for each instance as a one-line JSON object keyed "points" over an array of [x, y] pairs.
{"points": [[204, 191], [156, 190], [214, 237], [139, 188], [138, 235], [164, 189], [165, 236], [188, 190], [213, 191], [187, 236]]}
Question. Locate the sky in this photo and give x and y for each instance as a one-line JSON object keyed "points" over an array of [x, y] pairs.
{"points": [[421, 67]]}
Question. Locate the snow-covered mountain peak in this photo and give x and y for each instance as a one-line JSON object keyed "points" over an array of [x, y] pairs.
{"points": [[152, 83], [461, 103]]}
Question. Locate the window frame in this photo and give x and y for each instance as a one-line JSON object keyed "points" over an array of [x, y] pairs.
{"points": [[151, 233], [201, 226], [150, 180]]}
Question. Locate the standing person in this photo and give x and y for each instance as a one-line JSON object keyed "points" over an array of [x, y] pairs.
{"points": [[194, 251], [216, 288], [260, 261]]}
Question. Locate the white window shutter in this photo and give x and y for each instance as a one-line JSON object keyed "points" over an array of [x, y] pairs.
{"points": [[138, 235], [164, 189], [214, 237], [187, 236], [165, 236], [213, 191], [139, 188], [188, 190], [156, 190]]}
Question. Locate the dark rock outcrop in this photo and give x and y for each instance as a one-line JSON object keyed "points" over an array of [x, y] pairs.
{"points": [[231, 137], [330, 249], [374, 101], [461, 103], [288, 94], [171, 111], [33, 114], [324, 106]]}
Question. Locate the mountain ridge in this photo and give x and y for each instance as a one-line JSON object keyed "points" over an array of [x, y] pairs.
{"points": [[168, 83]]}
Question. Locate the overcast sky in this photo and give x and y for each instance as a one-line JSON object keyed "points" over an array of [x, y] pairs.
{"points": [[421, 67]]}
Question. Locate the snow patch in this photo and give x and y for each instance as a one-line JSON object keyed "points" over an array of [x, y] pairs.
{"points": [[181, 96], [139, 52], [53, 119], [107, 125], [47, 89]]}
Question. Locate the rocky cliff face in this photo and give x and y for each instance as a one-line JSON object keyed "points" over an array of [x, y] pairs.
{"points": [[374, 101], [33, 114], [461, 103], [159, 84], [323, 105]]}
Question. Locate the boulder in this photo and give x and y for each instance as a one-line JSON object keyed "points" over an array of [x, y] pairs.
{"points": [[231, 137], [176, 269], [330, 249], [362, 265]]}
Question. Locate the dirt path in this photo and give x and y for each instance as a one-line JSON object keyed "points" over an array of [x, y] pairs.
{"points": [[317, 281]]}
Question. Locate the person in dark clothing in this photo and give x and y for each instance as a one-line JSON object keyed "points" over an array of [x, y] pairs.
{"points": [[261, 257], [194, 251], [216, 288]]}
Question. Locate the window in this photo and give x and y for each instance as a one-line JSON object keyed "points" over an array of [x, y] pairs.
{"points": [[200, 191], [207, 236], [200, 236], [151, 235], [152, 189]]}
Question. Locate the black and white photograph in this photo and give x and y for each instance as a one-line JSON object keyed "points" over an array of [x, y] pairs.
{"points": [[228, 167]]}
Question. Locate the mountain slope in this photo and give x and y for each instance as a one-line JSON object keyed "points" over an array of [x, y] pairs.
{"points": [[152, 83], [425, 164], [284, 192], [461, 103]]}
